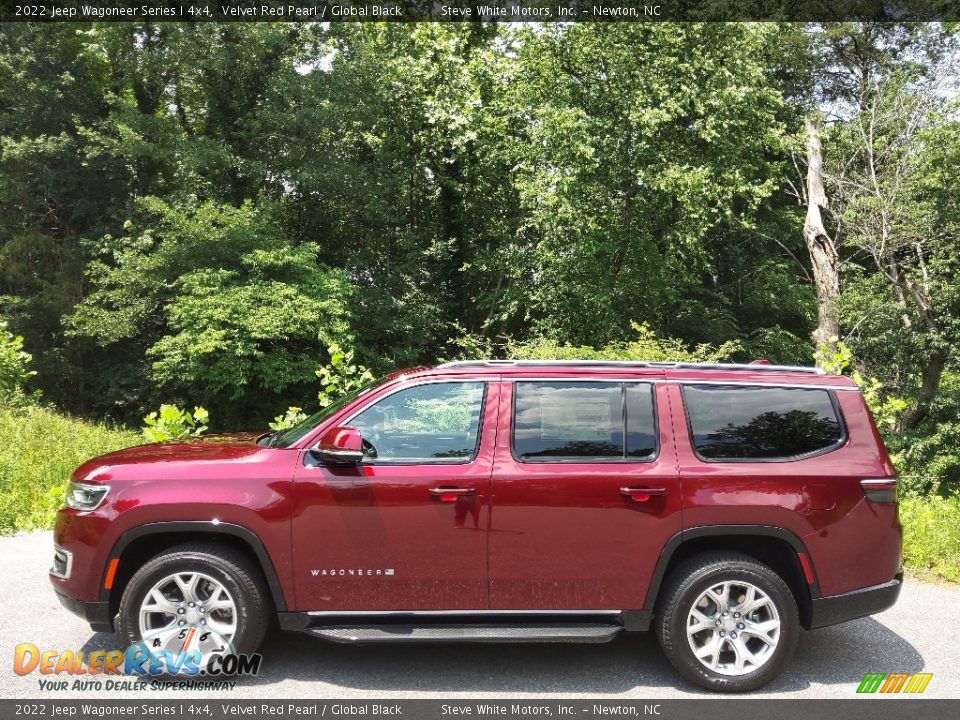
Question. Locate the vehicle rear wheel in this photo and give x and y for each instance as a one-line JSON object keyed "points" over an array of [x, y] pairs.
{"points": [[727, 622], [196, 596]]}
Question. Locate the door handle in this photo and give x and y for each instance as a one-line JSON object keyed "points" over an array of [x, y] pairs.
{"points": [[449, 495], [642, 494]]}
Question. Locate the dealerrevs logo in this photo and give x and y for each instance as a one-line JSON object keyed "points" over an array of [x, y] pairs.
{"points": [[911, 683], [137, 660]]}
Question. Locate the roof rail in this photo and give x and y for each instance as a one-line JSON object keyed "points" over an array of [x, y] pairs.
{"points": [[747, 367]]}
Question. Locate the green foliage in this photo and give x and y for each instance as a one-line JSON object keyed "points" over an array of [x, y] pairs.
{"points": [[637, 149], [835, 358], [291, 417], [341, 376], [928, 457], [172, 423], [39, 448], [644, 346], [230, 309], [196, 212], [232, 199], [14, 364], [931, 535]]}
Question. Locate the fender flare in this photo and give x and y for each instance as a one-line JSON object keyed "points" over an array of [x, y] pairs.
{"points": [[660, 570], [209, 527]]}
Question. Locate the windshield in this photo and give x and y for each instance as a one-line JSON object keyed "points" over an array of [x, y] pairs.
{"points": [[286, 438]]}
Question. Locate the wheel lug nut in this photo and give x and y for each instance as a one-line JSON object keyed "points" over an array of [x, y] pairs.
{"points": [[203, 622], [192, 604], [736, 614], [740, 626], [182, 622], [181, 611], [725, 613], [721, 633], [733, 634]]}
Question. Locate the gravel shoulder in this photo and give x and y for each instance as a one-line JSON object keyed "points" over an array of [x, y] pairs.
{"points": [[918, 634]]}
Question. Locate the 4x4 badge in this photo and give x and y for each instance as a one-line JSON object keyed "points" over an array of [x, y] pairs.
{"points": [[352, 572]]}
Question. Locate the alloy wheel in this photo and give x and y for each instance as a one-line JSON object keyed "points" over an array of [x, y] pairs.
{"points": [[188, 611], [733, 628]]}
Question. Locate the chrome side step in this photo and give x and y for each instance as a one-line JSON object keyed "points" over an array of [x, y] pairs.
{"points": [[477, 633]]}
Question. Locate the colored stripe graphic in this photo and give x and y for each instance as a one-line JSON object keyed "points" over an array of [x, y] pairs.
{"points": [[891, 683], [894, 682], [871, 682], [918, 683]]}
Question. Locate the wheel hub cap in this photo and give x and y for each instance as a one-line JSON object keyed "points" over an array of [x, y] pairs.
{"points": [[733, 628], [184, 601]]}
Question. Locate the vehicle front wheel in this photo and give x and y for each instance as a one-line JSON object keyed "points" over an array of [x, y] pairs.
{"points": [[727, 622], [196, 596]]}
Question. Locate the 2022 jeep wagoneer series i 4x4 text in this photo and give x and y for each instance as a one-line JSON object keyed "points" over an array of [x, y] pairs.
{"points": [[726, 506]]}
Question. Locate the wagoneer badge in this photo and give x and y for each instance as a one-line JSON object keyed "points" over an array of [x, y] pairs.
{"points": [[351, 572]]}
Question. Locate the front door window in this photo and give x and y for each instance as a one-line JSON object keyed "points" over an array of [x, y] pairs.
{"points": [[425, 423]]}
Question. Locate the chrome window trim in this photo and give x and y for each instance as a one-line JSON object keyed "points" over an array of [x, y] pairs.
{"points": [[761, 384], [598, 379], [841, 420], [426, 461], [652, 364], [582, 460]]}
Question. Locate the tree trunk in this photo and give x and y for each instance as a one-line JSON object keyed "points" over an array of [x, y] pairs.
{"points": [[929, 389], [823, 253], [935, 365]]}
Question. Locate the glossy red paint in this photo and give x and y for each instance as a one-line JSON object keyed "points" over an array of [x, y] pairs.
{"points": [[563, 536], [819, 499], [341, 438], [494, 533], [377, 537], [225, 478]]}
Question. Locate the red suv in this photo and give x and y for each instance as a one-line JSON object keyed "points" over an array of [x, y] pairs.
{"points": [[727, 506]]}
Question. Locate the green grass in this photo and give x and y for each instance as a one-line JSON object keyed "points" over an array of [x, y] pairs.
{"points": [[39, 448], [931, 536]]}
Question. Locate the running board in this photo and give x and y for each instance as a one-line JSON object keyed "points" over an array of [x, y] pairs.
{"points": [[476, 633]]}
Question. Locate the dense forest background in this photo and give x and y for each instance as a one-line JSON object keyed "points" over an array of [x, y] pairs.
{"points": [[196, 213]]}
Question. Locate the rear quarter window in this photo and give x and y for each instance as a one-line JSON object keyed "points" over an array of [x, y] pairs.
{"points": [[734, 423]]}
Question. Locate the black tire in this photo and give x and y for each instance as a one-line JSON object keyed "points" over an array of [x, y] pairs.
{"points": [[241, 578], [682, 589]]}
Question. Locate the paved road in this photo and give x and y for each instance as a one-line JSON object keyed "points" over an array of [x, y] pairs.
{"points": [[919, 633]]}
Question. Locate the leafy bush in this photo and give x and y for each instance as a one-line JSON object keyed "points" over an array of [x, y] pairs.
{"points": [[887, 409], [646, 346], [227, 308], [14, 364], [341, 376], [778, 345], [291, 417], [931, 535], [172, 423], [39, 448], [929, 456]]}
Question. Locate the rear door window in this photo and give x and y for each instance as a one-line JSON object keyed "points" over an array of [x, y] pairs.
{"points": [[761, 423], [570, 420]]}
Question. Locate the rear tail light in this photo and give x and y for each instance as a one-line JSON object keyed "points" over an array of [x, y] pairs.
{"points": [[880, 491]]}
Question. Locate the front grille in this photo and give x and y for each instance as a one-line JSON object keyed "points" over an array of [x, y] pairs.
{"points": [[62, 560]]}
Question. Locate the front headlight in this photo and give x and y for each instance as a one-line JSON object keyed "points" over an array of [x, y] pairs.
{"points": [[81, 496]]}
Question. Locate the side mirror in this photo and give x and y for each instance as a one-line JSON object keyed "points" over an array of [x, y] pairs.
{"points": [[340, 445]]}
